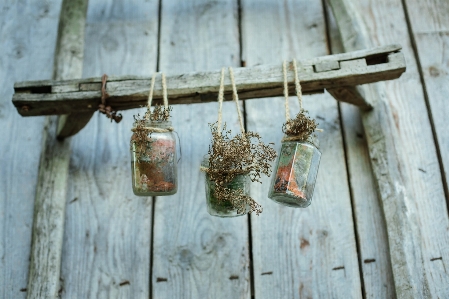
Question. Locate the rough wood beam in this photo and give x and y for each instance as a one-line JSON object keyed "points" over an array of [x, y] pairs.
{"points": [[403, 235], [49, 208], [347, 69]]}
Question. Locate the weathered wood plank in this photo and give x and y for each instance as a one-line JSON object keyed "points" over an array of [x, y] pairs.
{"points": [[372, 239], [49, 207], [24, 55], [196, 255], [299, 253], [48, 97], [430, 28], [107, 240], [400, 142]]}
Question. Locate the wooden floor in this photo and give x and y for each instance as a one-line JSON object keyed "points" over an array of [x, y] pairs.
{"points": [[117, 245]]}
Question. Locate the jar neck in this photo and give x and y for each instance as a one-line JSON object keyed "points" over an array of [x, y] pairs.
{"points": [[157, 124]]}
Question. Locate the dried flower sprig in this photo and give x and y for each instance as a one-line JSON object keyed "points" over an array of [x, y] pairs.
{"points": [[160, 113], [141, 139], [237, 199], [301, 127], [244, 153]]}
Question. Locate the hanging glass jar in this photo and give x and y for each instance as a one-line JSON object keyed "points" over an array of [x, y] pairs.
{"points": [[296, 167], [225, 208], [232, 163], [295, 174], [153, 150], [153, 163]]}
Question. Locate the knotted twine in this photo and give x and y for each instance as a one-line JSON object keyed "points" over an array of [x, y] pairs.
{"points": [[150, 99], [103, 107], [298, 91]]}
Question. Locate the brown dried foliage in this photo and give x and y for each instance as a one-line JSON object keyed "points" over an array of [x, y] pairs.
{"points": [[245, 153], [141, 137], [160, 113], [302, 126]]}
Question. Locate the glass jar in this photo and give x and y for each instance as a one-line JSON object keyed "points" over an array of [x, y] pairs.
{"points": [[295, 174], [225, 208], [154, 173]]}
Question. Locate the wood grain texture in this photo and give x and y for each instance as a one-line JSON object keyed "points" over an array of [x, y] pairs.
{"points": [[360, 67], [299, 253], [196, 255], [24, 55], [400, 141], [430, 29], [107, 239], [49, 207], [372, 239]]}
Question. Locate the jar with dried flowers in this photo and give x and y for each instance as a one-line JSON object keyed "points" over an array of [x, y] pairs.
{"points": [[153, 150], [153, 161], [297, 165], [232, 162]]}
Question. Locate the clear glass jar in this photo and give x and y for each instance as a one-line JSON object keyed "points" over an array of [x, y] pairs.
{"points": [[155, 172], [295, 174], [225, 208]]}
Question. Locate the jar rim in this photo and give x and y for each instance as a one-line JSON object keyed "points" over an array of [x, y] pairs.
{"points": [[157, 124]]}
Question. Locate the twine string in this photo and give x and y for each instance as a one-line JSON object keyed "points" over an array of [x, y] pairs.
{"points": [[220, 100], [150, 99], [287, 109], [236, 99], [298, 95], [150, 95], [164, 91], [297, 85]]}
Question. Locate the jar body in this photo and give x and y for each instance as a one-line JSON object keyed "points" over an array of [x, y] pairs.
{"points": [[224, 208], [154, 173], [295, 174]]}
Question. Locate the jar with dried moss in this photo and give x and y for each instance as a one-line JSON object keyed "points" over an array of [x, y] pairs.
{"points": [[153, 158], [226, 206], [295, 174]]}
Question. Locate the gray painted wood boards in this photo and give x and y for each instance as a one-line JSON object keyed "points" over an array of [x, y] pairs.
{"points": [[413, 201], [25, 54], [373, 251], [50, 201], [429, 22], [107, 242], [299, 253], [196, 255], [108, 231]]}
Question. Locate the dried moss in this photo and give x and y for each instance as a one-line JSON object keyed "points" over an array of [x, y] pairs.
{"points": [[229, 156], [302, 126]]}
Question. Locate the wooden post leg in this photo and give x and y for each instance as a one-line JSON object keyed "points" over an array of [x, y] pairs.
{"points": [[403, 234], [70, 124], [49, 209]]}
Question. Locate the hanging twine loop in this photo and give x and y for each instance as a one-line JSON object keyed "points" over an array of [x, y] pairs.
{"points": [[302, 127], [235, 98], [147, 117], [103, 107]]}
